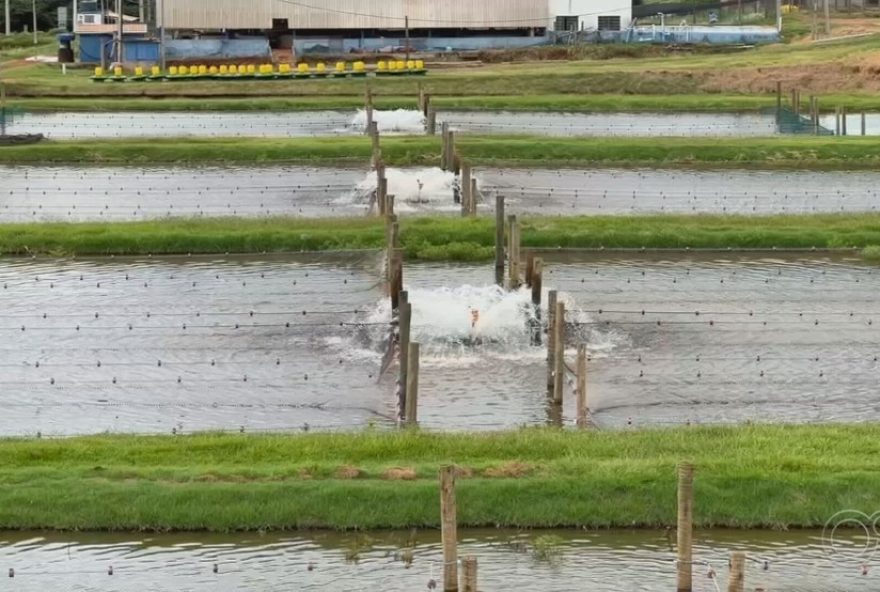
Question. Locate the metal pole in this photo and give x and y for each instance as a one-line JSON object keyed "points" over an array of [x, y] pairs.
{"points": [[827, 19], [779, 16], [119, 33], [141, 11], [34, 8], [8, 19], [162, 34], [407, 37]]}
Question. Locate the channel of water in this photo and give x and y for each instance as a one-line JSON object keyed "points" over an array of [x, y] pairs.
{"points": [[73, 125], [155, 345], [550, 561], [36, 194]]}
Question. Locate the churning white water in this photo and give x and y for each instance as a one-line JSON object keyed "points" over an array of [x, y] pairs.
{"points": [[400, 121]]}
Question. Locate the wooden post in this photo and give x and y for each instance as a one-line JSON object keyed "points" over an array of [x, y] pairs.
{"points": [[382, 195], [537, 288], [499, 240], [513, 252], [864, 127], [685, 526], [559, 355], [411, 407], [551, 336], [405, 320], [392, 236], [465, 189], [530, 268], [474, 194], [583, 413], [426, 103], [537, 281], [373, 132], [737, 579], [3, 104], [469, 574], [432, 121], [778, 100], [449, 529], [794, 103], [444, 157], [837, 121], [422, 98], [450, 151], [843, 120], [816, 115], [368, 103]]}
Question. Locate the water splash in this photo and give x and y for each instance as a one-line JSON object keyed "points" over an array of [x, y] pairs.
{"points": [[413, 189], [400, 121]]}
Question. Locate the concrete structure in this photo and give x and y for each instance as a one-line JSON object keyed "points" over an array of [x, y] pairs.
{"points": [[371, 16]]}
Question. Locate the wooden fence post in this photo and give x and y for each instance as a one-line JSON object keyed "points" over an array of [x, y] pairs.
{"points": [[405, 320], [444, 145], [864, 126], [582, 409], [465, 189], [737, 579], [537, 289], [837, 121], [530, 268], [432, 121], [368, 106], [426, 104], [843, 120], [449, 528], [513, 252], [469, 574], [412, 383], [685, 527], [559, 355], [499, 240], [778, 100], [551, 335], [474, 195]]}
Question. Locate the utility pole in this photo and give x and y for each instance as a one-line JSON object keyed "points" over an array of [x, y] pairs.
{"points": [[162, 34], [34, 9], [827, 19], [120, 58], [8, 19], [406, 23]]}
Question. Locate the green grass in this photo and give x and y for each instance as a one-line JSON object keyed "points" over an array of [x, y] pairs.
{"points": [[804, 152], [438, 238], [750, 476]]}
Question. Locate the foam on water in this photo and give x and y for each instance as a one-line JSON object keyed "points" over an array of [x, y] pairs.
{"points": [[411, 188], [401, 121]]}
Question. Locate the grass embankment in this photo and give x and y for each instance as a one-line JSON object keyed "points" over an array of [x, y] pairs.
{"points": [[803, 152], [440, 238], [757, 476]]}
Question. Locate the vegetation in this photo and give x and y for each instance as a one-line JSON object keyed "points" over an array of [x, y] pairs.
{"points": [[750, 476], [436, 238], [802, 152]]}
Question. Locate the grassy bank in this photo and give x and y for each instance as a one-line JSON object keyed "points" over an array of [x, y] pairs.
{"points": [[435, 238], [756, 476], [812, 153]]}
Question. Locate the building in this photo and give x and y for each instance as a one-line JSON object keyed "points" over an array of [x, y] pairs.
{"points": [[352, 25], [224, 29]]}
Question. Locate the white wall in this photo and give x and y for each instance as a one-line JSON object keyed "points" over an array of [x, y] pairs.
{"points": [[589, 11]]}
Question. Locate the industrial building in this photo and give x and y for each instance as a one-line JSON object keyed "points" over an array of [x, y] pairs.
{"points": [[232, 28]]}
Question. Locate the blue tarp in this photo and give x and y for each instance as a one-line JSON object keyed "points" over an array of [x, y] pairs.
{"points": [[193, 49]]}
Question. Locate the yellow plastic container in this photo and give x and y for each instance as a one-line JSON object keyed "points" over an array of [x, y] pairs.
{"points": [[172, 71], [382, 66], [117, 71], [321, 67], [242, 69], [138, 71], [411, 65], [224, 69], [392, 65], [401, 65], [155, 71], [340, 67], [99, 71], [203, 70], [251, 69], [284, 68], [233, 69], [420, 64], [182, 70], [359, 66], [302, 68], [213, 70]]}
